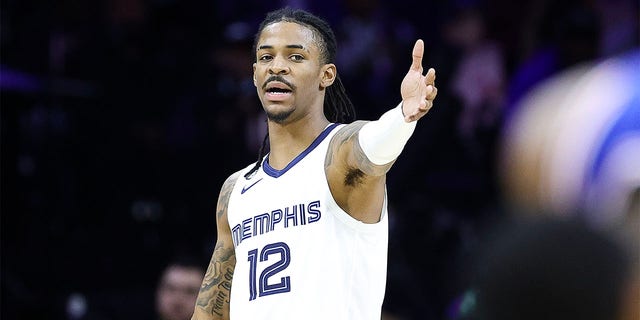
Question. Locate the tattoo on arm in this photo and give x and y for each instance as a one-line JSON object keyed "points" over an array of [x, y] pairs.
{"points": [[215, 292], [358, 165]]}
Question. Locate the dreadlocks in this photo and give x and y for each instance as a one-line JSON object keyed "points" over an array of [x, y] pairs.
{"points": [[337, 105]]}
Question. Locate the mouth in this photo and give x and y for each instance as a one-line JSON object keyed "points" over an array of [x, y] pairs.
{"points": [[277, 91]]}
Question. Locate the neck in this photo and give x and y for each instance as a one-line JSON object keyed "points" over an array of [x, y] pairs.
{"points": [[288, 140]]}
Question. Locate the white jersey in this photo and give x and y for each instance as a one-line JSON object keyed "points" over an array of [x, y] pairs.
{"points": [[299, 255]]}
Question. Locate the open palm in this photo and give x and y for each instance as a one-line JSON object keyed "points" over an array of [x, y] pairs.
{"points": [[418, 91]]}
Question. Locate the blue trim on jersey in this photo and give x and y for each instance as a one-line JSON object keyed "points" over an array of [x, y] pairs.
{"points": [[268, 169], [627, 122]]}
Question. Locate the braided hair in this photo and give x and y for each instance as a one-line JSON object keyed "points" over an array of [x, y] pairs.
{"points": [[337, 105]]}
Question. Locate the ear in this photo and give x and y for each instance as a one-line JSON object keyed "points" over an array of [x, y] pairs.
{"points": [[255, 82], [328, 75]]}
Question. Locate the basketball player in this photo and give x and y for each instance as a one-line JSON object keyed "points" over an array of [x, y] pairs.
{"points": [[302, 233]]}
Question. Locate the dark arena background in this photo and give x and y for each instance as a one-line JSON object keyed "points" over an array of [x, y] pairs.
{"points": [[120, 120]]}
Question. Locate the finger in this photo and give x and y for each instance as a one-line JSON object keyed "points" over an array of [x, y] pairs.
{"points": [[418, 51], [425, 105], [430, 78], [432, 95]]}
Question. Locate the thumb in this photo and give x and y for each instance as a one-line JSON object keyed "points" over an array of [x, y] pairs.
{"points": [[418, 51]]}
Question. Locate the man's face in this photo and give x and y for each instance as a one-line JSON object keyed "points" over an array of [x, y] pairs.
{"points": [[177, 293], [287, 73]]}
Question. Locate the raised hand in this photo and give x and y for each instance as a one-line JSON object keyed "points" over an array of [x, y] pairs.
{"points": [[417, 90]]}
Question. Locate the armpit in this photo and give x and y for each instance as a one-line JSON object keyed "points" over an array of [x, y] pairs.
{"points": [[353, 177]]}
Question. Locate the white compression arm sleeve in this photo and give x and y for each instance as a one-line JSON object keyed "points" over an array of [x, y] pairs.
{"points": [[383, 140]]}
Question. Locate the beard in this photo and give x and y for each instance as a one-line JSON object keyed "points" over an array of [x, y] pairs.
{"points": [[279, 117]]}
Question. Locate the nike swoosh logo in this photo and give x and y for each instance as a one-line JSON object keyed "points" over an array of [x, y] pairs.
{"points": [[244, 189]]}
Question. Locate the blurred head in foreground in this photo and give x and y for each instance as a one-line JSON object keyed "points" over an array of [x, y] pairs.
{"points": [[572, 151], [552, 269]]}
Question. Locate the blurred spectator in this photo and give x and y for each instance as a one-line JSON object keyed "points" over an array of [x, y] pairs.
{"points": [[561, 35], [478, 81], [239, 112], [178, 289], [364, 59], [573, 144]]}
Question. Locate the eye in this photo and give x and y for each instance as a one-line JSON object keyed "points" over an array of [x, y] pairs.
{"points": [[265, 57], [296, 57]]}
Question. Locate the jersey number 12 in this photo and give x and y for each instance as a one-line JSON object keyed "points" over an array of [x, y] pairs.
{"points": [[263, 288]]}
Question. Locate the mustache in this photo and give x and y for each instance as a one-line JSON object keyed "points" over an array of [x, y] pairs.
{"points": [[278, 78]]}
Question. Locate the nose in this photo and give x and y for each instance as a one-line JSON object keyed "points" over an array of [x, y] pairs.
{"points": [[278, 66]]}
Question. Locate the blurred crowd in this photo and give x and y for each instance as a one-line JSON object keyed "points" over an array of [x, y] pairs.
{"points": [[122, 118]]}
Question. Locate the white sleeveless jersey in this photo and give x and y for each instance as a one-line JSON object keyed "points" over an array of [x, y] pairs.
{"points": [[299, 255]]}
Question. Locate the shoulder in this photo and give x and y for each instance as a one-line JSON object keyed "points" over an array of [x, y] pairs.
{"points": [[347, 132], [231, 180], [352, 127], [345, 153], [227, 188]]}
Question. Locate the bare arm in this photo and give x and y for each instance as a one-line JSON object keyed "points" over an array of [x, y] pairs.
{"points": [[356, 183], [362, 153], [215, 292]]}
